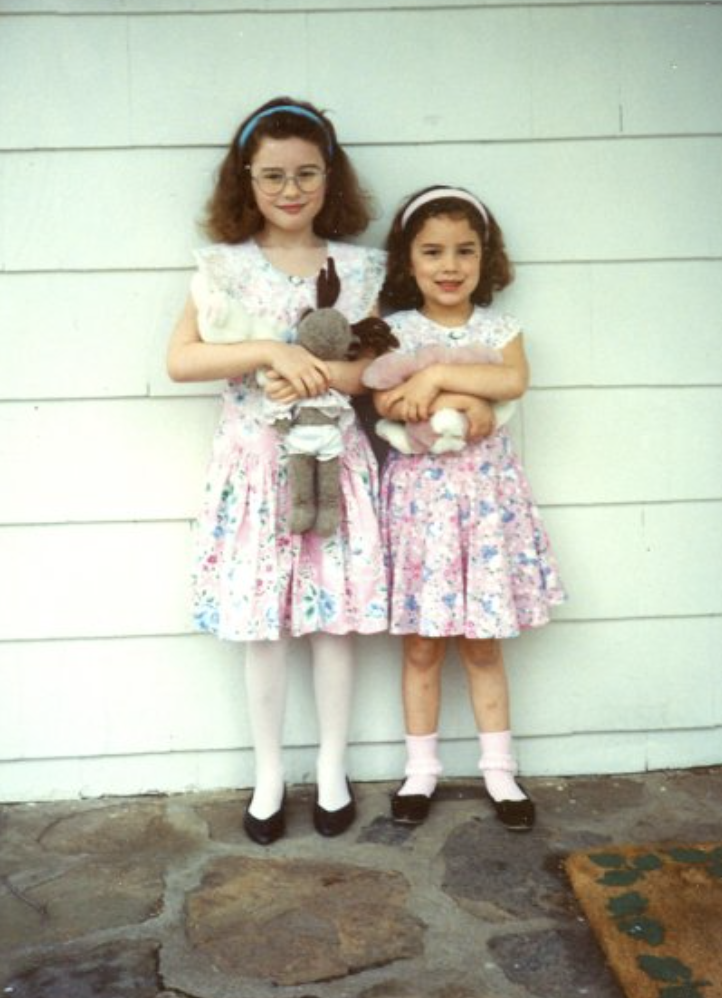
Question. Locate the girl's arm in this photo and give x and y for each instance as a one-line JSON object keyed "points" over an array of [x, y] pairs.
{"points": [[190, 359], [412, 400], [478, 411], [344, 376]]}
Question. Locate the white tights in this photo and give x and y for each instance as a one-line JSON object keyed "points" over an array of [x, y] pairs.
{"points": [[266, 685]]}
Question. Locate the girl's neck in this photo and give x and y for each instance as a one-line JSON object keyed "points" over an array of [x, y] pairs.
{"points": [[300, 254], [455, 315]]}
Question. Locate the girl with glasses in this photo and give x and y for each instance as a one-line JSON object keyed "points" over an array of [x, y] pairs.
{"points": [[285, 198]]}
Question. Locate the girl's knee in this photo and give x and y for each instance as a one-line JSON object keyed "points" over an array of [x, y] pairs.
{"points": [[424, 654], [478, 654]]}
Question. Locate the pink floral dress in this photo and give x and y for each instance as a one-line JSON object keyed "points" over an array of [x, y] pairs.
{"points": [[253, 579], [468, 553]]}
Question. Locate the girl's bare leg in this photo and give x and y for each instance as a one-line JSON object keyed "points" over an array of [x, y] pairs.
{"points": [[489, 691], [422, 664]]}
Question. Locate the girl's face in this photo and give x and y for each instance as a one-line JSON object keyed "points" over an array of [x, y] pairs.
{"points": [[289, 183], [445, 262]]}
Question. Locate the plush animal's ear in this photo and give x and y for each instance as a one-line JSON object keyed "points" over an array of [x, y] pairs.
{"points": [[373, 336], [328, 285]]}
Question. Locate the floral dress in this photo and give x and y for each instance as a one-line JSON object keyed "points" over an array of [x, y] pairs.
{"points": [[468, 553], [253, 579]]}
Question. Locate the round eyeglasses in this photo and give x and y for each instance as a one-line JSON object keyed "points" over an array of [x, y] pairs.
{"points": [[308, 179]]}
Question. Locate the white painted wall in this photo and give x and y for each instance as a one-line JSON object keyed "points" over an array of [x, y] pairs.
{"points": [[595, 132]]}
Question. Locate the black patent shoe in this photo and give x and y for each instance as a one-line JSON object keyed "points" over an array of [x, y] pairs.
{"points": [[410, 809], [265, 831], [516, 815], [330, 823]]}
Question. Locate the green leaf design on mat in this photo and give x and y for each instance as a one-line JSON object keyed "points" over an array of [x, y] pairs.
{"points": [[649, 861], [664, 968], [608, 860], [647, 930], [631, 903], [683, 855], [620, 878], [684, 990]]}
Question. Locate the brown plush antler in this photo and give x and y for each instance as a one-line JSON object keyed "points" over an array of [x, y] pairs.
{"points": [[372, 336], [328, 285]]}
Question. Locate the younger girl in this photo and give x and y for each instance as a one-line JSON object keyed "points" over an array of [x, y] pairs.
{"points": [[285, 192], [469, 556]]}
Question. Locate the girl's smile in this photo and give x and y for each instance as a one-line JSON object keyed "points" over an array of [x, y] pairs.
{"points": [[446, 265]]}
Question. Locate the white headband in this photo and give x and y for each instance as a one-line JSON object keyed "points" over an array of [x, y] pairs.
{"points": [[436, 195]]}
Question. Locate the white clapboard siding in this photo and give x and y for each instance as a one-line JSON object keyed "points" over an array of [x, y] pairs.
{"points": [[131, 579], [639, 561], [594, 132], [634, 444], [603, 81], [121, 8], [95, 580], [117, 460], [586, 324], [149, 198], [113, 460], [141, 695], [620, 324]]}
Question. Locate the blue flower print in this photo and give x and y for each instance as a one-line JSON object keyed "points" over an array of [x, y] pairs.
{"points": [[450, 599], [434, 473], [411, 603], [207, 619], [326, 605]]}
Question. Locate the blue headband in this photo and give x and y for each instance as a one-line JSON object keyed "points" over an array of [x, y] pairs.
{"points": [[291, 109]]}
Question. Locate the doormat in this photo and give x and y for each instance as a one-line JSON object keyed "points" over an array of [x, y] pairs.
{"points": [[656, 910]]}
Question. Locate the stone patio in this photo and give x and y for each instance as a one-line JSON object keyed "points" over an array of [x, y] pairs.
{"points": [[166, 898]]}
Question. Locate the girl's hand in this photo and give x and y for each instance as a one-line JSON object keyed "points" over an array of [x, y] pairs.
{"points": [[279, 389], [306, 374], [383, 406], [480, 415], [413, 399], [479, 412]]}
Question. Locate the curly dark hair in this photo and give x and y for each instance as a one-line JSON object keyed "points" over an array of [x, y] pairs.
{"points": [[231, 213], [400, 290]]}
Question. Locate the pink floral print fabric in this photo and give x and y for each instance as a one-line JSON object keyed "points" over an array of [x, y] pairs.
{"points": [[253, 579], [467, 549]]}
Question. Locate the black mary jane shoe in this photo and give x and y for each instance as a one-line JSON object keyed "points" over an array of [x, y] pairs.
{"points": [[265, 831], [330, 823], [516, 815], [410, 809]]}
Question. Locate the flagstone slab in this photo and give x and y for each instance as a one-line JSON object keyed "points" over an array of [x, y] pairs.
{"points": [[89, 897], [555, 963], [133, 827], [291, 922], [504, 874], [124, 969]]}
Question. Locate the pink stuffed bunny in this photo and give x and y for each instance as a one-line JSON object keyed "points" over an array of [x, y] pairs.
{"points": [[446, 430]]}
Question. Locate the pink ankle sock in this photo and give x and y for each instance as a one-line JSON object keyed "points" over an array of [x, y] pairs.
{"points": [[498, 766], [422, 767]]}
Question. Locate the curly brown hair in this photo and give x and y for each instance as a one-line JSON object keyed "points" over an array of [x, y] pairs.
{"points": [[231, 213], [400, 290]]}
